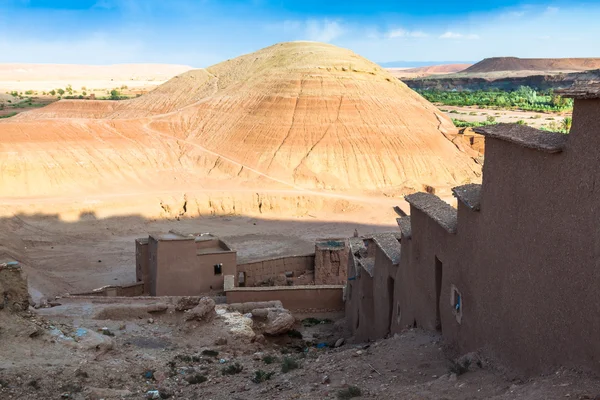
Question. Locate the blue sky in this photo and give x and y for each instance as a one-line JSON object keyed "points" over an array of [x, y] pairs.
{"points": [[203, 32]]}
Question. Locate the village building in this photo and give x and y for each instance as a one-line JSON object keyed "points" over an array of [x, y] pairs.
{"points": [[331, 261], [368, 303], [173, 264], [514, 269]]}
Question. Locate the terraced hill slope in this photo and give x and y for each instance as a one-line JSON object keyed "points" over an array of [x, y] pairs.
{"points": [[304, 118]]}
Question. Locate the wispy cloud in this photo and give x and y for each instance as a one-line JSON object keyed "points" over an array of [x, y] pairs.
{"points": [[319, 30], [552, 10], [456, 35], [323, 30], [399, 33]]}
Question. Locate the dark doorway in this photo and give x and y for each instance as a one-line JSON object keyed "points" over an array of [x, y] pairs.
{"points": [[438, 293], [390, 294]]}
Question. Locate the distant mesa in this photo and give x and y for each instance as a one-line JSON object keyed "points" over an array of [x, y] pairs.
{"points": [[293, 116], [420, 72], [499, 64]]}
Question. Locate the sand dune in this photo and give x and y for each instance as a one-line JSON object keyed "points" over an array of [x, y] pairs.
{"points": [[304, 117]]}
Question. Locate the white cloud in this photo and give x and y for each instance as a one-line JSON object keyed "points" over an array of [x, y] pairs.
{"points": [[323, 30], [399, 32], [456, 35], [319, 30], [551, 10]]}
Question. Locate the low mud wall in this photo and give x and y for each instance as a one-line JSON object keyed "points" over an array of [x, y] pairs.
{"points": [[133, 290], [263, 270], [315, 298]]}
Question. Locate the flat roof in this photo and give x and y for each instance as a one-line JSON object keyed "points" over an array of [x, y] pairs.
{"points": [[390, 245], [170, 236], [525, 136], [405, 226], [331, 244], [469, 195], [588, 90], [434, 207]]}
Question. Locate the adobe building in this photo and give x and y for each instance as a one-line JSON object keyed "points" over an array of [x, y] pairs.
{"points": [[177, 265], [331, 261], [516, 267], [372, 265]]}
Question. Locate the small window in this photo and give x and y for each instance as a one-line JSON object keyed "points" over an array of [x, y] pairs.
{"points": [[456, 300], [218, 269]]}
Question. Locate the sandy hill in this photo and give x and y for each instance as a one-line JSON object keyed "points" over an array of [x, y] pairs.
{"points": [[298, 117], [496, 64]]}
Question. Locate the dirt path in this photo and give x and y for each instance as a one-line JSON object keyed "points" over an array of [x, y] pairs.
{"points": [[531, 118]]}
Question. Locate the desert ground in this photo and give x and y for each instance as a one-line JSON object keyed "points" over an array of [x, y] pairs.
{"points": [[94, 78], [421, 72], [477, 114], [147, 351], [269, 151]]}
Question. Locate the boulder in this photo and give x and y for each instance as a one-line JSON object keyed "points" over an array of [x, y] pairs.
{"points": [[278, 323], [264, 312], [244, 308], [204, 311], [187, 303]]}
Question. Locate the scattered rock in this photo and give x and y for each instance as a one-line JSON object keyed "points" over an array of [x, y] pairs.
{"points": [[106, 393], [187, 303], [205, 310], [264, 312], [339, 342], [259, 339], [150, 320], [278, 323], [220, 341], [325, 380], [244, 308]]}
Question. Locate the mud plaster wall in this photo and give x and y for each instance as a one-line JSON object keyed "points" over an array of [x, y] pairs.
{"points": [[526, 265], [14, 294], [180, 272], [134, 290], [352, 295], [294, 298], [331, 266], [384, 277], [366, 308], [261, 271], [415, 291], [142, 264]]}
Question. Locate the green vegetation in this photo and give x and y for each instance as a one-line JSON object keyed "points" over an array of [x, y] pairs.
{"points": [[307, 322], [232, 369], [289, 364], [560, 127], [269, 359], [60, 92], [8, 115], [196, 379], [459, 123], [349, 393], [262, 376], [294, 334], [525, 98]]}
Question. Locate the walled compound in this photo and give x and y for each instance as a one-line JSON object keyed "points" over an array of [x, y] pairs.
{"points": [[515, 269]]}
